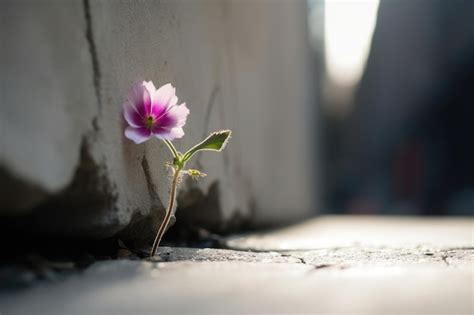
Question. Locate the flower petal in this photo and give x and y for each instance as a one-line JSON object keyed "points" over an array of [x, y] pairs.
{"points": [[175, 117], [147, 94], [140, 97], [168, 134], [157, 110], [173, 101], [149, 86], [137, 135], [131, 115], [165, 96]]}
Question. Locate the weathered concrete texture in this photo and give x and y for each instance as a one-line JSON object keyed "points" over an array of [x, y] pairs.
{"points": [[386, 279], [133, 287], [335, 257], [227, 59], [47, 99], [169, 254]]}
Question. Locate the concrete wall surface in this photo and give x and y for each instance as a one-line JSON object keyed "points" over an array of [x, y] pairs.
{"points": [[66, 68]]}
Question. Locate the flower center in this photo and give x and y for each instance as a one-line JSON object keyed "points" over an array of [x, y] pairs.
{"points": [[149, 122]]}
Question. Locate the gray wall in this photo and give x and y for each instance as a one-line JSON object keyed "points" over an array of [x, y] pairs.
{"points": [[66, 69]]}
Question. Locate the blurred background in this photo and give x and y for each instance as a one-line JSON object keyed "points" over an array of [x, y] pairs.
{"points": [[336, 107], [396, 105]]}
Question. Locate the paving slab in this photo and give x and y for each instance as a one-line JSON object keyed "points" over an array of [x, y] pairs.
{"points": [[379, 278]]}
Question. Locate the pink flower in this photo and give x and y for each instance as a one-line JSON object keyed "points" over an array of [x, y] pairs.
{"points": [[151, 112]]}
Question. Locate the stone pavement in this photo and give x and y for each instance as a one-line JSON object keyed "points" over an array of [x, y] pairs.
{"points": [[362, 265]]}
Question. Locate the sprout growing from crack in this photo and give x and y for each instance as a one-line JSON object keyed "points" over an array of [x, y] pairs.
{"points": [[152, 112]]}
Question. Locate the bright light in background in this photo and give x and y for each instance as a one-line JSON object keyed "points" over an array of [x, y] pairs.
{"points": [[348, 30]]}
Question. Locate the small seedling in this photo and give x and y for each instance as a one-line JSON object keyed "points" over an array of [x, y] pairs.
{"points": [[152, 112]]}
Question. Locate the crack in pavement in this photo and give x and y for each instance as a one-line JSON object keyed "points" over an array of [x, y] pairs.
{"points": [[445, 259], [347, 257], [302, 261]]}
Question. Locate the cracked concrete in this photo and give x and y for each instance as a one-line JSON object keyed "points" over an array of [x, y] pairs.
{"points": [[92, 50], [383, 256], [211, 281], [387, 278], [168, 254], [48, 101]]}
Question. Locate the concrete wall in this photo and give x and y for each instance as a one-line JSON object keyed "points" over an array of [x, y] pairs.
{"points": [[66, 70]]}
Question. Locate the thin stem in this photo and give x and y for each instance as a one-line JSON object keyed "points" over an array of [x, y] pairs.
{"points": [[170, 146], [169, 210]]}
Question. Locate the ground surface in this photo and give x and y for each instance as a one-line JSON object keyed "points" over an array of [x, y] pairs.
{"points": [[327, 265]]}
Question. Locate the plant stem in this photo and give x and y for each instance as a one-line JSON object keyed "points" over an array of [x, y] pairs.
{"points": [[169, 210], [170, 146]]}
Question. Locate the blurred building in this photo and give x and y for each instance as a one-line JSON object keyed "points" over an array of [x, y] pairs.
{"points": [[407, 144]]}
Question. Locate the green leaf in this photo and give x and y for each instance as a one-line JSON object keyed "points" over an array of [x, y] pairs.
{"points": [[216, 141]]}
